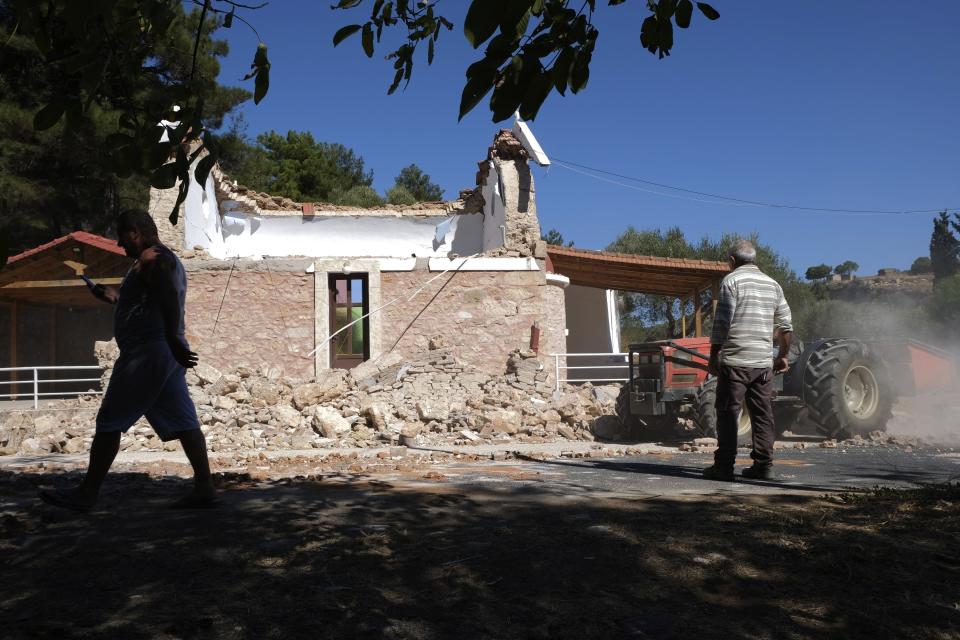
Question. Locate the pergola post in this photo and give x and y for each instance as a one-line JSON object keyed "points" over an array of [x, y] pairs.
{"points": [[697, 316], [13, 347], [683, 318]]}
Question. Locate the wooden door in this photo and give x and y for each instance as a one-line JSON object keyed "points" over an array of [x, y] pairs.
{"points": [[349, 305]]}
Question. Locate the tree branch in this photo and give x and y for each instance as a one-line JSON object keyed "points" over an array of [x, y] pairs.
{"points": [[196, 43]]}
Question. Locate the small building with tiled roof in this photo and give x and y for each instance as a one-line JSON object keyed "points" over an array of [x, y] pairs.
{"points": [[47, 315]]}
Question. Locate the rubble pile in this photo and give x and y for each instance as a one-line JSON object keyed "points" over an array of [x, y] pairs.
{"points": [[432, 399]]}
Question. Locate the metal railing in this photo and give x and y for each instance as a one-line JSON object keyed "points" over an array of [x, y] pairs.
{"points": [[616, 361], [36, 381]]}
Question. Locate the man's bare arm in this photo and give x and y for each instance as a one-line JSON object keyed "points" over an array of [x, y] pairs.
{"points": [[110, 295], [157, 272], [782, 363]]}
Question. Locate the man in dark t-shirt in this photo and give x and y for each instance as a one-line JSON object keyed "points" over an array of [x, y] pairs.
{"points": [[148, 379]]}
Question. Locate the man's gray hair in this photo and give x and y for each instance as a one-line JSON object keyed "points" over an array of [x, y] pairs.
{"points": [[743, 252]]}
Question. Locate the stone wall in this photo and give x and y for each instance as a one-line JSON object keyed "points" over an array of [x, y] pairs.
{"points": [[267, 316], [482, 316], [523, 226], [553, 326], [161, 204]]}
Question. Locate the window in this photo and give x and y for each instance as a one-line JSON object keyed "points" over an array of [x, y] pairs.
{"points": [[349, 301]]}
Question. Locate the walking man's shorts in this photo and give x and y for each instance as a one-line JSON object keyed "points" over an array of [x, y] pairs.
{"points": [[148, 382]]}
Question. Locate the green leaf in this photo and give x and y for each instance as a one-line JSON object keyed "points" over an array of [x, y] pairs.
{"points": [[480, 79], [48, 116], [537, 91], [175, 214], [561, 70], [707, 10], [649, 37], [473, 92], [430, 51], [183, 165], [260, 57], [203, 169], [347, 4], [665, 36], [514, 17], [580, 74], [345, 32], [506, 98], [396, 81], [684, 13], [165, 176], [367, 39], [260, 73], [261, 84], [483, 18]]}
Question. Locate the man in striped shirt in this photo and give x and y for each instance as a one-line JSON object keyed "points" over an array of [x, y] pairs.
{"points": [[750, 306]]}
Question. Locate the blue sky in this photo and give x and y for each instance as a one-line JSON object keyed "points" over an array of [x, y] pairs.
{"points": [[845, 105]]}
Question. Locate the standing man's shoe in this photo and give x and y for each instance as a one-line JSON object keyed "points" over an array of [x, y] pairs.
{"points": [[759, 472], [721, 474]]}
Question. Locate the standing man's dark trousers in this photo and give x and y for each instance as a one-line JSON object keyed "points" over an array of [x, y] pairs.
{"points": [[737, 386]]}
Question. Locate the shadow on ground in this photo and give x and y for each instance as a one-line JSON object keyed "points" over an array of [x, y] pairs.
{"points": [[353, 557]]}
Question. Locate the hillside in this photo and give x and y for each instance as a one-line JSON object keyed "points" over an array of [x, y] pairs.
{"points": [[883, 286]]}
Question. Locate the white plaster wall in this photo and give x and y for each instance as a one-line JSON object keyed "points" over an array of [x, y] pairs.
{"points": [[201, 219], [244, 235], [589, 325]]}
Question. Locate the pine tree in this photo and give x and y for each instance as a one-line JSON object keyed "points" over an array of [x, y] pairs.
{"points": [[944, 246]]}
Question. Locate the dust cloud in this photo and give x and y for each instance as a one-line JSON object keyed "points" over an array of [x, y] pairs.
{"points": [[933, 418]]}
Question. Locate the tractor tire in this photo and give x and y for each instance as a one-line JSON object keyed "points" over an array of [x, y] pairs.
{"points": [[847, 389], [705, 415]]}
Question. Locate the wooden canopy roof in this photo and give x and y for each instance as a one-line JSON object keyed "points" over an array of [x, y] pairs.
{"points": [[39, 275], [675, 277]]}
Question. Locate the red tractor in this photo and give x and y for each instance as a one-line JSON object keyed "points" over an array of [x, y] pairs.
{"points": [[843, 386]]}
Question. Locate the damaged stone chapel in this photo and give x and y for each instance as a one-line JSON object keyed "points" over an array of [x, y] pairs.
{"points": [[321, 326]]}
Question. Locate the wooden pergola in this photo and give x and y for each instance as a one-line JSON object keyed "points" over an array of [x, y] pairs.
{"points": [[40, 274], [38, 282], [678, 278]]}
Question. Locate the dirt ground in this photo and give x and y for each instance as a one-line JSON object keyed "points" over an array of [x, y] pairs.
{"points": [[412, 554]]}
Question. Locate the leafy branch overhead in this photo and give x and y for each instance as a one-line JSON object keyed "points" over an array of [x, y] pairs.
{"points": [[106, 55], [104, 50], [533, 47]]}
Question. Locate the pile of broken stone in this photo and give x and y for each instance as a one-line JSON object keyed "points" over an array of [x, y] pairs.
{"points": [[429, 399]]}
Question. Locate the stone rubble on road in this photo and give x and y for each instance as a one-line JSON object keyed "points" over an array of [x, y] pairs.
{"points": [[428, 401]]}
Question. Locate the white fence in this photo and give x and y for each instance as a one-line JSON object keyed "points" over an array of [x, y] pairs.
{"points": [[614, 365], [35, 382]]}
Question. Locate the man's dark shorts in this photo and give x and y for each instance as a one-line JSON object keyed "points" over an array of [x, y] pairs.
{"points": [[147, 381]]}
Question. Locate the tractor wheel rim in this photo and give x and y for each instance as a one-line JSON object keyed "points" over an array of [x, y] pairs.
{"points": [[744, 424], [861, 392]]}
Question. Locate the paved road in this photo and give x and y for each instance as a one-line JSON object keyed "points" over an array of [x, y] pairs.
{"points": [[667, 472], [809, 471]]}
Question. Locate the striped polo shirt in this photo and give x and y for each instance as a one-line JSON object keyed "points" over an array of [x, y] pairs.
{"points": [[749, 306]]}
